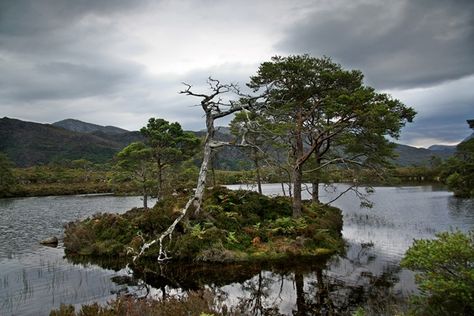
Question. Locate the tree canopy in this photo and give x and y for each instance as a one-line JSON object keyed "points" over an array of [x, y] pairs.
{"points": [[459, 170], [314, 105], [134, 165], [169, 144], [445, 273]]}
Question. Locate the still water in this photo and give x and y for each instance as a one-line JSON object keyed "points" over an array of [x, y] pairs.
{"points": [[34, 278]]}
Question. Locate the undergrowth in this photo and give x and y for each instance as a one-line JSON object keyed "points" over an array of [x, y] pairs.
{"points": [[232, 226]]}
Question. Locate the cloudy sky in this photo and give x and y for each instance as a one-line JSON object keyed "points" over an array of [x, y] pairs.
{"points": [[120, 62]]}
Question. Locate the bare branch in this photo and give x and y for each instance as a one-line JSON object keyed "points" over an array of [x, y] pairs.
{"points": [[337, 160]]}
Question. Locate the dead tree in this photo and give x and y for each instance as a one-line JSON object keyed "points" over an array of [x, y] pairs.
{"points": [[214, 107]]}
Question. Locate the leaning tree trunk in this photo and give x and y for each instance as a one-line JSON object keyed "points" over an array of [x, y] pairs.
{"points": [[207, 155], [214, 110], [257, 170], [195, 201], [213, 168]]}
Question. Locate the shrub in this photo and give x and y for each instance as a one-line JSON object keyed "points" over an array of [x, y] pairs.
{"points": [[445, 274], [232, 224]]}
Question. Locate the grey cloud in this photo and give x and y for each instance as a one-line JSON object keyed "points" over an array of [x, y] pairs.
{"points": [[439, 131], [65, 80], [31, 17], [48, 52], [397, 44]]}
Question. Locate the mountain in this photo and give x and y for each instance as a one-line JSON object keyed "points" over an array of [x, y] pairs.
{"points": [[83, 127], [443, 149], [412, 156], [230, 158], [29, 144]]}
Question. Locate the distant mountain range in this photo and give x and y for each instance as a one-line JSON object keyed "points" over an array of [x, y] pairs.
{"points": [[413, 156], [29, 144]]}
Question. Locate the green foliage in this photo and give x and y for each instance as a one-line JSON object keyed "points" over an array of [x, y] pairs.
{"points": [[445, 276], [314, 107], [114, 234], [288, 225], [359, 312], [7, 179], [169, 142], [73, 177], [133, 166], [415, 174], [30, 144], [458, 171], [233, 225], [170, 145]]}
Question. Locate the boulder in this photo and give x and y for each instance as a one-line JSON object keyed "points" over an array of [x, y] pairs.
{"points": [[51, 241]]}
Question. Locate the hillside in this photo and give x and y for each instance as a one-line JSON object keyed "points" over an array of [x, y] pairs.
{"points": [[412, 156], [83, 127], [443, 149], [28, 143]]}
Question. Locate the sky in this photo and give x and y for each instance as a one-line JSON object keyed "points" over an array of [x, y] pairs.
{"points": [[120, 62]]}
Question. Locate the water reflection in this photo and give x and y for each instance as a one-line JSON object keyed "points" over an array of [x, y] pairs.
{"points": [[461, 208], [329, 286]]}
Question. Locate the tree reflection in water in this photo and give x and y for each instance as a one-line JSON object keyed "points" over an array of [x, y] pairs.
{"points": [[333, 286]]}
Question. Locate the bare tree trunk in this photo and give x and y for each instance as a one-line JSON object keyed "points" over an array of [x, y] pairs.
{"points": [[213, 168], [315, 182], [159, 194], [195, 200], [213, 111], [257, 169], [283, 188], [144, 188], [145, 198], [298, 167], [315, 190], [297, 182], [205, 163]]}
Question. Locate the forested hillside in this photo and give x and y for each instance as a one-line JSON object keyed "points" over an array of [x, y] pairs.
{"points": [[28, 144]]}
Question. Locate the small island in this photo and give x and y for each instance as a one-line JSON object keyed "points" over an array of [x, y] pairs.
{"points": [[232, 226]]}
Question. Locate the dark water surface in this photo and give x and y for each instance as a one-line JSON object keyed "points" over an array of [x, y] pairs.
{"points": [[34, 278]]}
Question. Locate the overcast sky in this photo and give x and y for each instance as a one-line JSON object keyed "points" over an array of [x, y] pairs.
{"points": [[120, 62]]}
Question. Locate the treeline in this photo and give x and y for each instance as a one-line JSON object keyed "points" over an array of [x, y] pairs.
{"points": [[84, 177]]}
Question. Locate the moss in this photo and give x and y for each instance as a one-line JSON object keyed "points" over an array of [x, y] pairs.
{"points": [[233, 226]]}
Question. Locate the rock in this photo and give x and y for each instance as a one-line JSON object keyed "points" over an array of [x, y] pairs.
{"points": [[51, 241]]}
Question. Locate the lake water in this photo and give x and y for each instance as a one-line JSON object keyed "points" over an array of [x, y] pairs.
{"points": [[34, 278]]}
